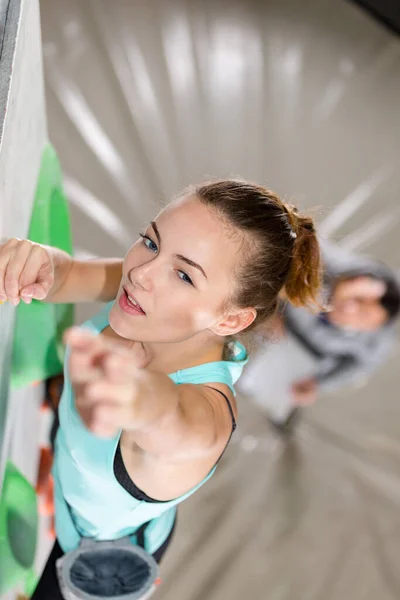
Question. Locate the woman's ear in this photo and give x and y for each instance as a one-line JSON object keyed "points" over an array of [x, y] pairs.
{"points": [[235, 322]]}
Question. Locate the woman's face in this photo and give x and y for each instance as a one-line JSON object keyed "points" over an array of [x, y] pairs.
{"points": [[180, 274]]}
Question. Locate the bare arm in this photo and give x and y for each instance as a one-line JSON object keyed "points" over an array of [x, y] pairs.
{"points": [[84, 280], [181, 422], [164, 419], [34, 271]]}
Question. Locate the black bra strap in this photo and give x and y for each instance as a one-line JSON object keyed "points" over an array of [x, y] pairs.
{"points": [[229, 405], [233, 421]]}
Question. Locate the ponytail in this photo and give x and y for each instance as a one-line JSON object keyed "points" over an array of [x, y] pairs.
{"points": [[304, 277]]}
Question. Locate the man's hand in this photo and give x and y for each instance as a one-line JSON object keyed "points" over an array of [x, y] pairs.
{"points": [[304, 392]]}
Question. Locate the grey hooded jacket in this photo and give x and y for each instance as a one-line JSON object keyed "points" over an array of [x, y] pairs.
{"points": [[343, 357]]}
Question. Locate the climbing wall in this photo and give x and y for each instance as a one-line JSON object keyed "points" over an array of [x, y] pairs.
{"points": [[23, 137], [31, 202]]}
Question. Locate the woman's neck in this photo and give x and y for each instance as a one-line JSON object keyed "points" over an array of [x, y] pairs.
{"points": [[171, 357]]}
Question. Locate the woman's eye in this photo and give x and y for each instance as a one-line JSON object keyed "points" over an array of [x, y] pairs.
{"points": [[148, 242], [184, 277]]}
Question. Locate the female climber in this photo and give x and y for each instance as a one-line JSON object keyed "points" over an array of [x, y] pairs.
{"points": [[148, 405]]}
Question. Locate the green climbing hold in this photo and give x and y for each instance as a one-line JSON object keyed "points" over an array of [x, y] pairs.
{"points": [[38, 350], [18, 531]]}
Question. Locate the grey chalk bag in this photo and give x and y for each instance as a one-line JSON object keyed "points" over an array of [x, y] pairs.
{"points": [[116, 570]]}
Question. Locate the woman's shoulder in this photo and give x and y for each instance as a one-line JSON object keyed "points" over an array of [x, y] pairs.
{"points": [[225, 371]]}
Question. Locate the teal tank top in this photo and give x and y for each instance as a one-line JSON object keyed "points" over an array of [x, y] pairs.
{"points": [[89, 501]]}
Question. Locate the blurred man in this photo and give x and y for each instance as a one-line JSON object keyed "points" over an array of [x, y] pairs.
{"points": [[329, 350]]}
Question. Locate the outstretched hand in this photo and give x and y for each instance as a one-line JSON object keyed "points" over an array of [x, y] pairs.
{"points": [[107, 379]]}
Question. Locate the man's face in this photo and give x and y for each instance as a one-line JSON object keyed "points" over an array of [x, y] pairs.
{"points": [[356, 304]]}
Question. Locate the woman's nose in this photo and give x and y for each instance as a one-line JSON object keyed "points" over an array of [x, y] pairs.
{"points": [[143, 275]]}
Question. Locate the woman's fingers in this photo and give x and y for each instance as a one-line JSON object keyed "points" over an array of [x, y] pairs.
{"points": [[118, 367], [87, 355], [80, 338], [13, 257], [37, 277], [103, 405], [5, 255], [83, 367], [91, 351], [106, 420], [118, 394], [103, 378], [103, 418], [26, 271]]}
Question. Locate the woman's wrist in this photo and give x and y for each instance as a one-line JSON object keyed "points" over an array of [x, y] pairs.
{"points": [[62, 264]]}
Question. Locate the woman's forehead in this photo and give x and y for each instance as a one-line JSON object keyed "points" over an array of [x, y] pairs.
{"points": [[198, 230], [190, 215]]}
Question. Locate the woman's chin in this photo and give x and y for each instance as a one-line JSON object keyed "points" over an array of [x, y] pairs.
{"points": [[118, 324]]}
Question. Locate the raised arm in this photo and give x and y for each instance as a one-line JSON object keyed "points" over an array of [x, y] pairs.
{"points": [[86, 280], [34, 271]]}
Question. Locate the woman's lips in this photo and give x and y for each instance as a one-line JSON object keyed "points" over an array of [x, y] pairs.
{"points": [[129, 305]]}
